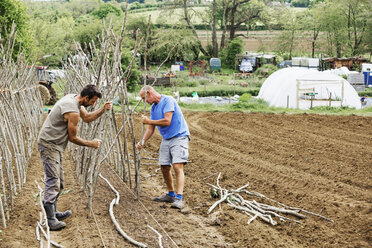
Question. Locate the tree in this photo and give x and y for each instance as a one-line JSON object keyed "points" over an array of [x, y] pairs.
{"points": [[300, 3], [214, 30], [368, 38], [52, 39], [187, 16], [106, 9], [311, 22], [228, 55], [137, 22], [333, 22], [164, 40], [14, 11], [345, 24], [357, 16], [237, 13], [287, 39]]}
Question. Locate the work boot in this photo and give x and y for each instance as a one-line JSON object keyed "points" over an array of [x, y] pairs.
{"points": [[164, 198], [53, 223], [61, 215]]}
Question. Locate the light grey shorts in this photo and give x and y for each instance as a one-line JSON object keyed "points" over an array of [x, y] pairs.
{"points": [[174, 151]]}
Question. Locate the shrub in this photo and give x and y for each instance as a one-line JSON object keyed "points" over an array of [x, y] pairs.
{"points": [[105, 9], [254, 105], [365, 93], [245, 97], [228, 55], [268, 67], [191, 84]]}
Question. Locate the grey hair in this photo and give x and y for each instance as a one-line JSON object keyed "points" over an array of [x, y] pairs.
{"points": [[147, 88]]}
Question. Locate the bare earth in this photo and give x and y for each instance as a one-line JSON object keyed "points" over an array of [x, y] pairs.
{"points": [[318, 163]]}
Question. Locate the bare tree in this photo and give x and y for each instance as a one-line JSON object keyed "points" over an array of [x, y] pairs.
{"points": [[214, 31]]}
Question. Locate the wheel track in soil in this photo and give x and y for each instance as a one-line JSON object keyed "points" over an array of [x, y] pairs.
{"points": [[269, 122], [265, 168], [270, 144], [289, 145], [278, 137], [315, 192], [363, 138], [278, 176]]}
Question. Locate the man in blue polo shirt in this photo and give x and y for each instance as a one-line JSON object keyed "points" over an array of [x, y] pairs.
{"points": [[174, 148]]}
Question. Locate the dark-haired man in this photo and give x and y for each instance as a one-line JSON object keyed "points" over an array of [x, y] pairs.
{"points": [[60, 127]]}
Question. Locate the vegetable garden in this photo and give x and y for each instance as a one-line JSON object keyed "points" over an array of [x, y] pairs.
{"points": [[307, 175]]}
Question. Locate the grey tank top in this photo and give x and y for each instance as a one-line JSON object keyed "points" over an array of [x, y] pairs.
{"points": [[54, 134]]}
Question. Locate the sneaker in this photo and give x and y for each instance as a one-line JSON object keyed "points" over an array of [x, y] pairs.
{"points": [[164, 198], [177, 203]]}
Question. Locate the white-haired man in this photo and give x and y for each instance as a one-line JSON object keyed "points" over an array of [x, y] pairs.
{"points": [[174, 148]]}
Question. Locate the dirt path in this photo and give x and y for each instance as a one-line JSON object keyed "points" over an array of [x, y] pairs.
{"points": [[319, 163]]}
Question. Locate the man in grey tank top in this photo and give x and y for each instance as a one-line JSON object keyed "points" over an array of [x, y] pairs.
{"points": [[60, 127]]}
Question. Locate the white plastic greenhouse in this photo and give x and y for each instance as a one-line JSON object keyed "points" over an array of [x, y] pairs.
{"points": [[303, 88]]}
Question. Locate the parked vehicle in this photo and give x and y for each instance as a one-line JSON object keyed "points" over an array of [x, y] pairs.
{"points": [[46, 79], [285, 63], [215, 64], [245, 66]]}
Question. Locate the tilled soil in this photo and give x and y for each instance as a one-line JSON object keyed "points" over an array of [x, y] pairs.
{"points": [[314, 162]]}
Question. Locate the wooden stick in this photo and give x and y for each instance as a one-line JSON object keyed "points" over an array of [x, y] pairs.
{"points": [[159, 236]]}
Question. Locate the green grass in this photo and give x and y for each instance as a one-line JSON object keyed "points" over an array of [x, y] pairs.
{"points": [[366, 92]]}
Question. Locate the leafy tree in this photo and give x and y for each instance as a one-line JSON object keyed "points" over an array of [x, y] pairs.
{"points": [[244, 12], [228, 55], [333, 22], [77, 9], [368, 38], [135, 23], [52, 39], [136, 73], [345, 24], [106, 9], [287, 40], [234, 14], [87, 29], [357, 16], [164, 40], [300, 3], [187, 16], [311, 23], [14, 11]]}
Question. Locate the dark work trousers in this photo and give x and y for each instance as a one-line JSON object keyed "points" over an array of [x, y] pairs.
{"points": [[52, 162]]}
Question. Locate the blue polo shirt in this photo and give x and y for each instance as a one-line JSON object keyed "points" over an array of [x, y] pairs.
{"points": [[178, 126]]}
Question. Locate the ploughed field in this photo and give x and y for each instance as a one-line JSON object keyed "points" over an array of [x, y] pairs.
{"points": [[314, 162]]}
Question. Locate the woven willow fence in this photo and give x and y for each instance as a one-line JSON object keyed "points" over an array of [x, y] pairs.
{"points": [[20, 120]]}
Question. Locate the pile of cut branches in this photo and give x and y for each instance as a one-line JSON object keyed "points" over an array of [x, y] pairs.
{"points": [[270, 214]]}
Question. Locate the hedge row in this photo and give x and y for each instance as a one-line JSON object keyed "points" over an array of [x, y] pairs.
{"points": [[365, 93], [253, 92]]}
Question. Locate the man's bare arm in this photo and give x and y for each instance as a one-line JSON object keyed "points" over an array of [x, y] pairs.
{"points": [[149, 131], [162, 122], [73, 120], [92, 116]]}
